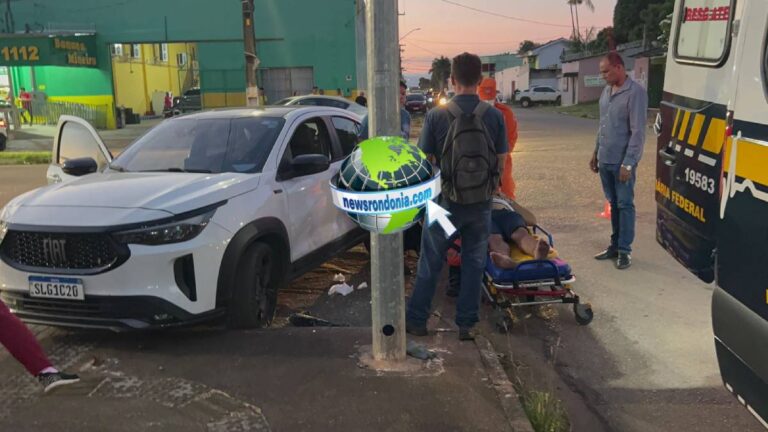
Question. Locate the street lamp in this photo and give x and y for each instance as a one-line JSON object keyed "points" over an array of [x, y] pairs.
{"points": [[416, 29]]}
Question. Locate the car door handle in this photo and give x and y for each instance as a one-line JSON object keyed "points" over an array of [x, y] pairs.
{"points": [[670, 159]]}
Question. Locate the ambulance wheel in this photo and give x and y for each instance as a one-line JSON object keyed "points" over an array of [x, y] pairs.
{"points": [[583, 313]]}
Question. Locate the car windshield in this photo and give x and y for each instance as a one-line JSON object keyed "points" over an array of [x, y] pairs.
{"points": [[239, 145], [415, 97]]}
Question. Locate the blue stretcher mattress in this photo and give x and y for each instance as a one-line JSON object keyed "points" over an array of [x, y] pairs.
{"points": [[530, 271]]}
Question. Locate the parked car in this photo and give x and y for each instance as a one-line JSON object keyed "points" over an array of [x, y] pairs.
{"points": [[326, 101], [189, 101], [539, 94], [206, 214], [416, 102]]}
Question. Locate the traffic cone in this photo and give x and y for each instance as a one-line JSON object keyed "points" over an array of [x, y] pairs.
{"points": [[606, 213]]}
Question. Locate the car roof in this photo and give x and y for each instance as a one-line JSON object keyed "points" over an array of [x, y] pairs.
{"points": [[267, 111], [337, 98]]}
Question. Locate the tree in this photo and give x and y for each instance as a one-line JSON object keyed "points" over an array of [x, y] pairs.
{"points": [[441, 71], [526, 46], [574, 5], [425, 83], [638, 19]]}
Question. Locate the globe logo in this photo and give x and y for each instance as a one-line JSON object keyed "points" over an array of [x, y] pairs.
{"points": [[385, 184]]}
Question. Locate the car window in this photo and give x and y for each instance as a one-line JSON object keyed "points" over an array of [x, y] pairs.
{"points": [[75, 141], [332, 103], [548, 90], [310, 137], [415, 97], [307, 101], [538, 90], [204, 145], [192, 92], [285, 101], [347, 131], [703, 32]]}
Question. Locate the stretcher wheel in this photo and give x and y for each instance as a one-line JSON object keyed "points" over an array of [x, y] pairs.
{"points": [[583, 313], [502, 321]]}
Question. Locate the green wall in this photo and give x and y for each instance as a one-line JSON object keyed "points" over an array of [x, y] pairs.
{"points": [[64, 81], [309, 33]]}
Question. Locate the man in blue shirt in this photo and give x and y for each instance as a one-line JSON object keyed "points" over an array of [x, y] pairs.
{"points": [[405, 118], [619, 147], [473, 221]]}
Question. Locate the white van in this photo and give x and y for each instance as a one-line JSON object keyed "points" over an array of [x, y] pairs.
{"points": [[712, 177]]}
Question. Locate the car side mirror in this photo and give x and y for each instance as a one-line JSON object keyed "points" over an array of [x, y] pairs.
{"points": [[80, 166], [309, 164]]}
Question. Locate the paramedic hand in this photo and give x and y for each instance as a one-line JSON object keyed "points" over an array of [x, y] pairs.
{"points": [[593, 163], [624, 174]]}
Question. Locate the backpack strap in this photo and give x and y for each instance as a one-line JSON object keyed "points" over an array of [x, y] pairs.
{"points": [[481, 109], [454, 109]]}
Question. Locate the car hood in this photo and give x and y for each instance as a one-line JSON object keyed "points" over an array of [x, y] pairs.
{"points": [[168, 192]]}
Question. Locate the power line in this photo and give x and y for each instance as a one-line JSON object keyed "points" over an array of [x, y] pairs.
{"points": [[505, 16], [486, 42]]}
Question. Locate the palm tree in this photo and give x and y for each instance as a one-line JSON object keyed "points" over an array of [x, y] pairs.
{"points": [[440, 70], [574, 5]]}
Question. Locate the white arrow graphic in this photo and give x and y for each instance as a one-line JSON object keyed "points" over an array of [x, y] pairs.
{"points": [[435, 213]]}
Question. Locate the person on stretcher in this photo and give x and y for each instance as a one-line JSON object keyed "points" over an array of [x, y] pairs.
{"points": [[510, 242]]}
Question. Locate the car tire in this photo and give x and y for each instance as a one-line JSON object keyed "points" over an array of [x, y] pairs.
{"points": [[558, 100], [525, 103], [3, 141], [254, 294]]}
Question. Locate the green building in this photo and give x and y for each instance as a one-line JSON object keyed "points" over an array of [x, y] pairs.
{"points": [[298, 44]]}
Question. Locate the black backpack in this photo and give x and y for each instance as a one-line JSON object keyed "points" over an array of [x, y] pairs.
{"points": [[469, 164]]}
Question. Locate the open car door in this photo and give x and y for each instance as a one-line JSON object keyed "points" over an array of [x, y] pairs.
{"points": [[75, 139]]}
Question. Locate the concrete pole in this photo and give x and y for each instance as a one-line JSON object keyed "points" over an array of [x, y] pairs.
{"points": [[387, 279]]}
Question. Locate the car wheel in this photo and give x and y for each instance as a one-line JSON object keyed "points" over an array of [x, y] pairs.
{"points": [[558, 100], [3, 140], [525, 103], [254, 296]]}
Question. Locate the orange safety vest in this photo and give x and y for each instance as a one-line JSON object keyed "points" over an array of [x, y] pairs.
{"points": [[507, 181]]}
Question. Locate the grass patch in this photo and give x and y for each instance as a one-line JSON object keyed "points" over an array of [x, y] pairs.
{"points": [[545, 412], [25, 158], [588, 110]]}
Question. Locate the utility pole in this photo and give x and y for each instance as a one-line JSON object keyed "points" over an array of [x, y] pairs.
{"points": [[251, 61], [387, 279]]}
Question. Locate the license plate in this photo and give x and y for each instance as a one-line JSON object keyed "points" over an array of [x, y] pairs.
{"points": [[55, 287]]}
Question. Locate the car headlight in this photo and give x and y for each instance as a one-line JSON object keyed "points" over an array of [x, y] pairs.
{"points": [[3, 230], [166, 233], [443, 101]]}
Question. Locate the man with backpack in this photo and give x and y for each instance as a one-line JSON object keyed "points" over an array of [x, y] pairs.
{"points": [[467, 139]]}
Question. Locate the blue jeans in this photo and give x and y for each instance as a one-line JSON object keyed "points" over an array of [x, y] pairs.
{"points": [[473, 223], [622, 199]]}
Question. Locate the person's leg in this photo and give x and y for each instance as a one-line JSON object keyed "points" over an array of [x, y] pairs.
{"points": [[433, 247], [21, 343], [625, 193], [609, 177], [474, 225]]}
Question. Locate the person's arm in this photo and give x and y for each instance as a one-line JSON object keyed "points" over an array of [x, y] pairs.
{"points": [[502, 145], [427, 142], [638, 117]]}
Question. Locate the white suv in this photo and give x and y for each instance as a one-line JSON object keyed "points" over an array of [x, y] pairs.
{"points": [[539, 94], [205, 214]]}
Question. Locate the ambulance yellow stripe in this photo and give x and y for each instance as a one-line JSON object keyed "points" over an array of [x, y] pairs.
{"points": [[698, 122], [750, 163], [713, 141], [677, 121], [684, 125]]}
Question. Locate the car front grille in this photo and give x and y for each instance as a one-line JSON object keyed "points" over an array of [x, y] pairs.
{"points": [[66, 253]]}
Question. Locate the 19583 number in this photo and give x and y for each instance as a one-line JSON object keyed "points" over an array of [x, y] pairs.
{"points": [[699, 180]]}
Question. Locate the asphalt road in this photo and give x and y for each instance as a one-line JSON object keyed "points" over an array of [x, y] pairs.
{"points": [[647, 362]]}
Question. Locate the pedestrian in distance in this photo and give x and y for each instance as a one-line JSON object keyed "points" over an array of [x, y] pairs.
{"points": [[405, 119], [618, 149], [487, 93], [23, 346], [468, 141], [315, 90], [361, 99]]}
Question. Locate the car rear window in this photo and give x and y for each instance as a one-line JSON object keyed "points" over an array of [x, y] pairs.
{"points": [[415, 97], [703, 31]]}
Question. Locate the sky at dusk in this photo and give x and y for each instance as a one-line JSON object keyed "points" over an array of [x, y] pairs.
{"points": [[447, 29]]}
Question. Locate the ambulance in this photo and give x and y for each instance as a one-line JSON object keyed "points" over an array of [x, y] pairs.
{"points": [[712, 177]]}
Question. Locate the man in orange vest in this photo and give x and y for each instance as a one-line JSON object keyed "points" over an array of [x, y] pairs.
{"points": [[487, 93]]}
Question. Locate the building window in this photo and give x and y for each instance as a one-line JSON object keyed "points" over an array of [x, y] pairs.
{"points": [[116, 49], [164, 52], [136, 51], [704, 31], [181, 59]]}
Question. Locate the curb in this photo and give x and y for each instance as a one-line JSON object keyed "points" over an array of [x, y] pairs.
{"points": [[508, 397]]}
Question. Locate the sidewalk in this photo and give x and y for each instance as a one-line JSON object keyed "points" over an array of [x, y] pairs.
{"points": [[40, 137]]}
